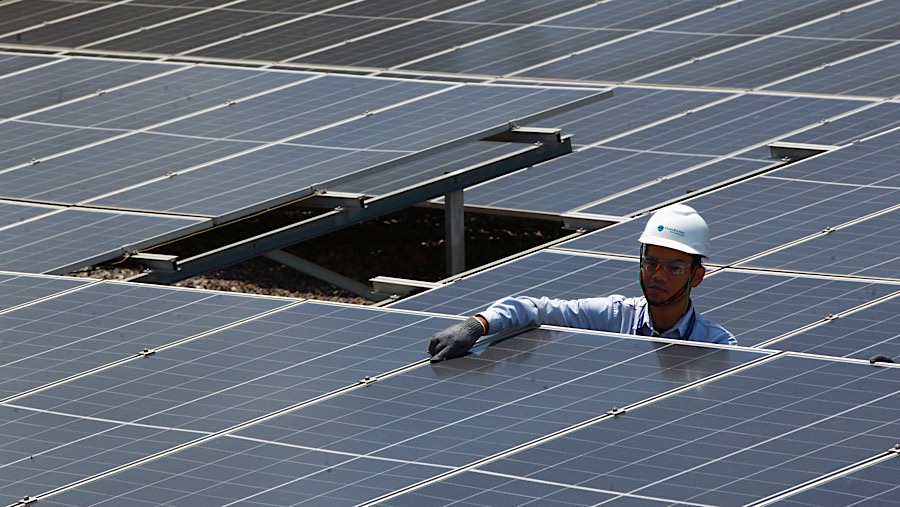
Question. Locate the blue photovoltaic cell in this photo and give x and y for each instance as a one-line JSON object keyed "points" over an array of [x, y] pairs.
{"points": [[19, 289], [753, 65], [872, 21], [763, 17], [757, 307], [578, 179], [869, 75], [13, 212], [873, 485], [196, 31], [40, 451], [862, 249], [306, 34], [757, 215], [306, 106], [873, 162], [405, 428], [22, 142], [546, 273], [511, 11], [622, 16], [677, 187], [841, 131], [97, 24], [166, 97], [456, 113], [66, 80], [103, 323], [10, 63], [628, 109], [737, 439], [400, 45], [17, 16], [75, 238], [628, 59], [400, 175], [269, 176], [247, 371], [111, 166], [734, 125], [515, 51], [862, 334]]}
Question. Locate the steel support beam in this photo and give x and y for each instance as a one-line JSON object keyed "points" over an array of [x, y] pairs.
{"points": [[455, 232], [340, 218], [312, 269]]}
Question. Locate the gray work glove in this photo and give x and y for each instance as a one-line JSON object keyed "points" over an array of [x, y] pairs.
{"points": [[456, 340]]}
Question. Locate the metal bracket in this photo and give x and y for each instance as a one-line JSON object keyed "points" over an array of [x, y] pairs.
{"points": [[26, 500], [156, 262], [399, 286], [368, 380], [782, 150], [529, 135], [331, 200], [615, 412], [147, 352]]}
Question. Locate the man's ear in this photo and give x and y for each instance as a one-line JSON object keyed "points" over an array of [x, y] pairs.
{"points": [[697, 277]]}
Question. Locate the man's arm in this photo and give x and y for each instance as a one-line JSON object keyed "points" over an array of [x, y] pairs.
{"points": [[518, 313]]}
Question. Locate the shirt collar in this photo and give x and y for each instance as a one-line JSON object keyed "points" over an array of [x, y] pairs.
{"points": [[680, 331]]}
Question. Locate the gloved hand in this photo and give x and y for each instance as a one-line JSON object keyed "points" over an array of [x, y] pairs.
{"points": [[456, 340]]}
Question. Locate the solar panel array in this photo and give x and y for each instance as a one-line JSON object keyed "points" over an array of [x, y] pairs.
{"points": [[127, 123]]}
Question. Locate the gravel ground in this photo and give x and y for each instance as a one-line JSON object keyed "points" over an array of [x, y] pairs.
{"points": [[408, 244]]}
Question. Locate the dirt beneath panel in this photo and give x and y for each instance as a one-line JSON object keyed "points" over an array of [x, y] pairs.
{"points": [[408, 244]]}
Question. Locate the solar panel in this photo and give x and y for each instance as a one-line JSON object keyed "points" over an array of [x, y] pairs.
{"points": [[66, 80], [10, 63], [845, 130], [503, 54], [312, 104], [621, 17], [757, 215], [18, 289], [860, 249], [869, 74], [735, 125], [866, 163], [111, 166], [862, 334], [371, 440], [164, 98], [102, 323], [276, 174], [753, 66], [196, 31], [629, 109], [630, 58], [70, 239], [240, 105], [738, 439], [874, 485], [93, 25], [16, 16], [579, 179]]}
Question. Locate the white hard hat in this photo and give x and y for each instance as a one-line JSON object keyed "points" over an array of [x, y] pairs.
{"points": [[680, 227]]}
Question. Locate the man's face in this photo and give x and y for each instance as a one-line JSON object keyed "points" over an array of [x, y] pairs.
{"points": [[660, 284]]}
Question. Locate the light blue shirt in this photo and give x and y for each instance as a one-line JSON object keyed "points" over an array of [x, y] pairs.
{"points": [[616, 314]]}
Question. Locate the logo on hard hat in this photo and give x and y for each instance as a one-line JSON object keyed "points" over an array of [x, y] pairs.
{"points": [[672, 230], [660, 228]]}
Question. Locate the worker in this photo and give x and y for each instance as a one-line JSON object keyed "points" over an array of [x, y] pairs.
{"points": [[673, 245]]}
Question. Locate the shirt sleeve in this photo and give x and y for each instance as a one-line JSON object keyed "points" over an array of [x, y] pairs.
{"points": [[515, 313]]}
